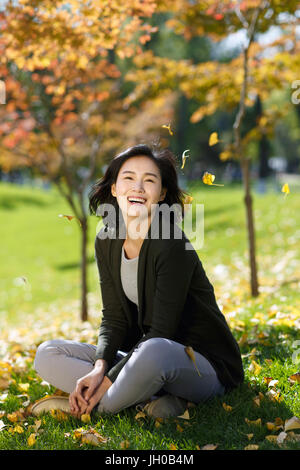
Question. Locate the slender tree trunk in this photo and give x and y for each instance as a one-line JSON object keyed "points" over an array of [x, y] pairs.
{"points": [[245, 165], [84, 239]]}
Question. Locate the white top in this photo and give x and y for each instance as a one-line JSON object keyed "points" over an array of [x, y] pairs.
{"points": [[129, 277]]}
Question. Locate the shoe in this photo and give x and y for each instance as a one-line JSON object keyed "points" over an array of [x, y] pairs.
{"points": [[51, 402], [165, 407]]}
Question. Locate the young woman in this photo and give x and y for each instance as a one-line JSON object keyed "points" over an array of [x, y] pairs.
{"points": [[156, 300]]}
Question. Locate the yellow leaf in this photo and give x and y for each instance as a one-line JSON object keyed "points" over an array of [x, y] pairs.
{"points": [[190, 352], [179, 428], [31, 440], [256, 422], [285, 189], [172, 447], [213, 139], [23, 387], [225, 155], [140, 414], [168, 127], [85, 418], [125, 444], [208, 178], [292, 423], [256, 401], [185, 415], [90, 438], [250, 436], [227, 407], [272, 438], [255, 367], [251, 447], [18, 429]]}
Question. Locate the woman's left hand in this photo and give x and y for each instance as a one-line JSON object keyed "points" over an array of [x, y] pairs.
{"points": [[98, 394]]}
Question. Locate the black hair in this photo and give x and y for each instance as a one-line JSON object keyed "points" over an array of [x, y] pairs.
{"points": [[165, 160]]}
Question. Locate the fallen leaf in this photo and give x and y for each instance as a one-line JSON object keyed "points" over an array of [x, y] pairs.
{"points": [[292, 423], [272, 438], [185, 415], [31, 440], [172, 447], [256, 422], [2, 425], [251, 447], [281, 437], [85, 418], [179, 428], [285, 189], [140, 414], [209, 447], [295, 377], [227, 407], [125, 444]]}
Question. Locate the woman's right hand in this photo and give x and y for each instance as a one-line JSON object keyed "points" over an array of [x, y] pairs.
{"points": [[85, 388]]}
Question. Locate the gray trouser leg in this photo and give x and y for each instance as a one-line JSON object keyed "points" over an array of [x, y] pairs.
{"points": [[156, 364]]}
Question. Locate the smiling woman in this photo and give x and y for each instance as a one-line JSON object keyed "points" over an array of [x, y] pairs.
{"points": [[156, 301]]}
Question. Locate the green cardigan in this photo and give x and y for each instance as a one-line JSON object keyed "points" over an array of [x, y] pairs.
{"points": [[176, 301]]}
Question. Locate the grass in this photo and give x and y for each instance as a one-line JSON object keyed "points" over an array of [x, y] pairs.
{"points": [[45, 249]]}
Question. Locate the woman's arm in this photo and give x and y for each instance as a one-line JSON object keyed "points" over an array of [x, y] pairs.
{"points": [[175, 268]]}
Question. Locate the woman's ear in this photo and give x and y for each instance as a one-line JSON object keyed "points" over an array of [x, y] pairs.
{"points": [[113, 189]]}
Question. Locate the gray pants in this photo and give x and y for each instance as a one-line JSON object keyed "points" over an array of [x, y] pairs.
{"points": [[157, 366]]}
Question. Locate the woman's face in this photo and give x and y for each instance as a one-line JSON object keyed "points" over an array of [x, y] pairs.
{"points": [[138, 177]]}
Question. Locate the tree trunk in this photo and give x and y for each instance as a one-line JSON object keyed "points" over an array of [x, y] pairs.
{"points": [[245, 164], [84, 239]]}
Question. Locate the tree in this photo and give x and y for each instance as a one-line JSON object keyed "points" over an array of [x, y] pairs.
{"points": [[232, 85], [64, 107]]}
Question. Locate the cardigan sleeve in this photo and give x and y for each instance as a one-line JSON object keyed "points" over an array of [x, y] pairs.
{"points": [[114, 325], [174, 271]]}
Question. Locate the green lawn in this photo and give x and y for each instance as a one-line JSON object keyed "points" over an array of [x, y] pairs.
{"points": [[44, 248]]}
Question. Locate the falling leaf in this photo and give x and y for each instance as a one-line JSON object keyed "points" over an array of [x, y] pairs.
{"points": [[213, 139], [190, 352], [70, 217], [208, 178], [183, 158], [165, 126], [285, 189], [292, 423], [31, 440]]}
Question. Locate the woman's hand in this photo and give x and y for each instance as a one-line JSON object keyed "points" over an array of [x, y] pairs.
{"points": [[100, 391], [85, 388]]}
